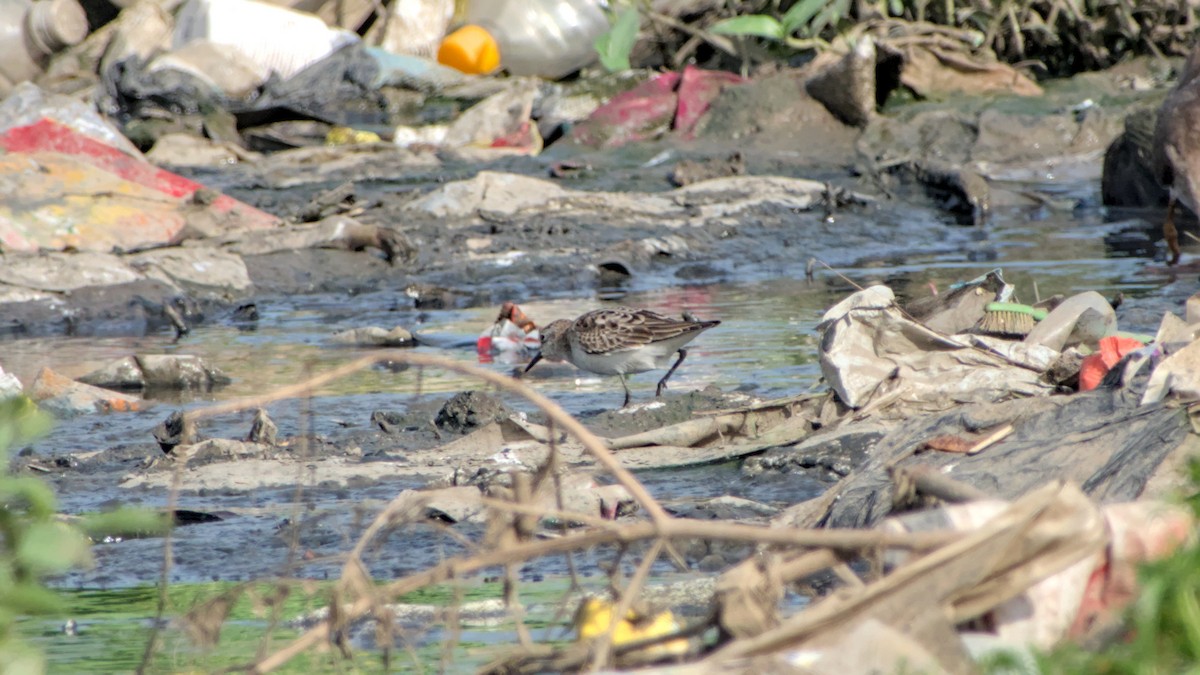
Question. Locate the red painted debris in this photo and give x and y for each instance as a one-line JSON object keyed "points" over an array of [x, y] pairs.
{"points": [[697, 90], [671, 102], [47, 135], [1095, 366]]}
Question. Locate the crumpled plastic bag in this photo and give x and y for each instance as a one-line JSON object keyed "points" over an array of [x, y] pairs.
{"points": [[869, 349]]}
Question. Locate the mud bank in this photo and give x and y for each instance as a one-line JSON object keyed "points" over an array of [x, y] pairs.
{"points": [[383, 218]]}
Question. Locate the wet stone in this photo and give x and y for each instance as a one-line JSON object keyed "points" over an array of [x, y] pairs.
{"points": [[470, 410], [838, 452]]}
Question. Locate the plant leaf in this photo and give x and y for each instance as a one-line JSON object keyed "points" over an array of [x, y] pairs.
{"points": [[125, 523], [830, 16], [32, 598], [615, 46], [52, 547], [800, 14], [759, 25]]}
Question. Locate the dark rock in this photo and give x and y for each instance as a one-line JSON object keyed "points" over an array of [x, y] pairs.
{"points": [[470, 410], [262, 429], [388, 422], [838, 451], [847, 88], [175, 431], [1129, 178]]}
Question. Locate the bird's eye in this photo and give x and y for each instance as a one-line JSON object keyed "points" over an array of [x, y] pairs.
{"points": [[542, 338]]}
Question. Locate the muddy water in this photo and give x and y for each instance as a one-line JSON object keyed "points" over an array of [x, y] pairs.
{"points": [[766, 347]]}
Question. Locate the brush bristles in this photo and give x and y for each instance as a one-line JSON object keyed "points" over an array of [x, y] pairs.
{"points": [[1007, 324], [1009, 319]]}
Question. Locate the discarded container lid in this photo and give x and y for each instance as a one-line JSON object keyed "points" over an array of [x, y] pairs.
{"points": [[56, 24], [471, 49]]}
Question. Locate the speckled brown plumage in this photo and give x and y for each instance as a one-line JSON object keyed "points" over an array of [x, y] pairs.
{"points": [[620, 341], [610, 330]]}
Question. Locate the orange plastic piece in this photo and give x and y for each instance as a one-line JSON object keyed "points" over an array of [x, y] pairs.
{"points": [[1112, 349], [470, 49]]}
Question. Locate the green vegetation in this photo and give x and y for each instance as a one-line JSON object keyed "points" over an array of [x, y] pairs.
{"points": [[1062, 36], [808, 18], [615, 46], [33, 543], [224, 625], [36, 542]]}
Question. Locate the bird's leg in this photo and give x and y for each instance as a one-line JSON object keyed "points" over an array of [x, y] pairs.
{"points": [[1170, 233], [626, 385], [662, 384]]}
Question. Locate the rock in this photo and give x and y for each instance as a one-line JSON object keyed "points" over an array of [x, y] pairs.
{"points": [[62, 272], [1006, 137], [65, 397], [1131, 175], [839, 451], [847, 88], [163, 371], [334, 232], [220, 449], [387, 421], [374, 336], [262, 430], [204, 271], [174, 431], [778, 111], [124, 373], [958, 190], [470, 410], [171, 371], [489, 191]]}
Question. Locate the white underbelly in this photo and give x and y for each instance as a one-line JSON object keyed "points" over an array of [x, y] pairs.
{"points": [[622, 362]]}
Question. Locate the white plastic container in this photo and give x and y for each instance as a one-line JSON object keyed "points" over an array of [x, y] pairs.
{"points": [[32, 32], [271, 38], [549, 38]]}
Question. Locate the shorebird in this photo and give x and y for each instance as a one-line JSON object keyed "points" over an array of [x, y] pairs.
{"points": [[620, 341], [1176, 157]]}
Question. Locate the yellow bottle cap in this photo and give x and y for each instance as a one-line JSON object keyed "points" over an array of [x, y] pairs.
{"points": [[470, 49]]}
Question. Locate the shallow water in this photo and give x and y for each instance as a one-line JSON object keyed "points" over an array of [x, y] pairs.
{"points": [[765, 346]]}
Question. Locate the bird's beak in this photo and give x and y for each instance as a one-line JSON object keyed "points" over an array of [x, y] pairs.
{"points": [[536, 357]]}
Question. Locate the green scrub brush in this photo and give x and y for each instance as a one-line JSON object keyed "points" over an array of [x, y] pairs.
{"points": [[1009, 319]]}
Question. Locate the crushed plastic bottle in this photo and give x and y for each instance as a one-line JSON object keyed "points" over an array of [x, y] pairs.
{"points": [[549, 38]]}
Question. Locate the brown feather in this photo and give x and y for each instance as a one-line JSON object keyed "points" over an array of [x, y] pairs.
{"points": [[609, 330]]}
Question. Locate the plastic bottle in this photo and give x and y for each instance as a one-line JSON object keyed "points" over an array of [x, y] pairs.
{"points": [[550, 38], [269, 38], [32, 32]]}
